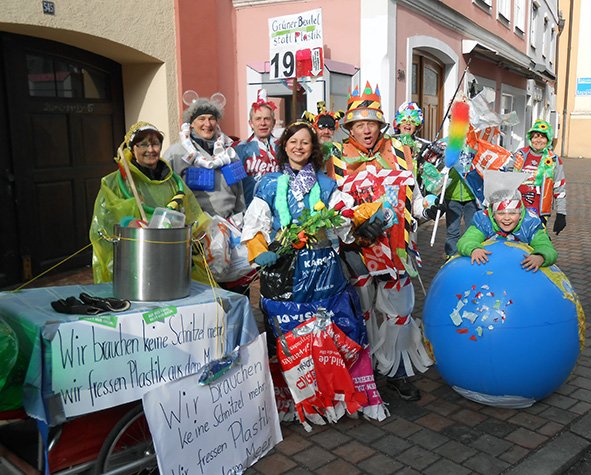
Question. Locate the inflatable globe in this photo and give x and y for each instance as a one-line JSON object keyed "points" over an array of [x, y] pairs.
{"points": [[500, 335]]}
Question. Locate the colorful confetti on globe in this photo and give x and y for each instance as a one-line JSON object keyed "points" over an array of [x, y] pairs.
{"points": [[501, 335]]}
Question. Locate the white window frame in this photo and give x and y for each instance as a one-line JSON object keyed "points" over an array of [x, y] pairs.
{"points": [[519, 16], [533, 27], [486, 5], [545, 36], [504, 10]]}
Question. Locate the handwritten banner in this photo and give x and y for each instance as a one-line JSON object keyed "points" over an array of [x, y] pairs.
{"points": [[221, 428], [105, 361]]}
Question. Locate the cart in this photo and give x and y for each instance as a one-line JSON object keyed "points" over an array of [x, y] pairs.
{"points": [[37, 436]]}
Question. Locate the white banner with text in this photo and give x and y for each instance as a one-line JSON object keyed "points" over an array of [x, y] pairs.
{"points": [[220, 428], [103, 361]]}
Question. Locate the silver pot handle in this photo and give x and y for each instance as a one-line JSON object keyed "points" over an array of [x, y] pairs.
{"points": [[112, 240]]}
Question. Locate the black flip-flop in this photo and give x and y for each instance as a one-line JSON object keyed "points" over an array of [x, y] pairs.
{"points": [[73, 306], [106, 303]]}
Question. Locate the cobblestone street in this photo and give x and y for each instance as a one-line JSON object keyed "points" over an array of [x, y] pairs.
{"points": [[444, 433]]}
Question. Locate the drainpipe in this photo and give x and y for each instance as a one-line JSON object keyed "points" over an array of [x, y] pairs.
{"points": [[567, 77]]}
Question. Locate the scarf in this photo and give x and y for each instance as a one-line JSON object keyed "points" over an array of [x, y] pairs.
{"points": [[302, 182], [285, 183]]}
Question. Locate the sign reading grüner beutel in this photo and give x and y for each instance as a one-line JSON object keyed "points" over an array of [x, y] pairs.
{"points": [[221, 428], [105, 361], [296, 45]]}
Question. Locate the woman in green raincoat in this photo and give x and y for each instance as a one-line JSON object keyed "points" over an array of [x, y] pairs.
{"points": [[157, 186]]}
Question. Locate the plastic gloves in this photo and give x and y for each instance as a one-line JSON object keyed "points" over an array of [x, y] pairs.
{"points": [[267, 258], [431, 212], [559, 223]]}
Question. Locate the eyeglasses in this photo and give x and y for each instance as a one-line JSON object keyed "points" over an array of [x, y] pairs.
{"points": [[147, 145], [324, 126]]}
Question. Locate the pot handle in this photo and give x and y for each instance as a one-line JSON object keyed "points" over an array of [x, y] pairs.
{"points": [[103, 234], [196, 239]]}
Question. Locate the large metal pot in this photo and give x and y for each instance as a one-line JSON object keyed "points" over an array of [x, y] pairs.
{"points": [[152, 264]]}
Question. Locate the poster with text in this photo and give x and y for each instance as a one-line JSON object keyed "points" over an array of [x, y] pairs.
{"points": [[296, 45], [220, 428], [103, 361]]}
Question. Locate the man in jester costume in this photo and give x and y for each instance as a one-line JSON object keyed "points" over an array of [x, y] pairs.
{"points": [[157, 186], [326, 123], [546, 186], [375, 171]]}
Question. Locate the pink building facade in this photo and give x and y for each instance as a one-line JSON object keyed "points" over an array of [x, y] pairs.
{"points": [[415, 50]]}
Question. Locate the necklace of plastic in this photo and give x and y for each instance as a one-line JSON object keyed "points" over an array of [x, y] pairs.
{"points": [[281, 204]]}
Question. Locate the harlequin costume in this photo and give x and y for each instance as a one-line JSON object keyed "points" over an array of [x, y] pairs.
{"points": [[546, 187], [157, 188], [382, 272], [259, 157]]}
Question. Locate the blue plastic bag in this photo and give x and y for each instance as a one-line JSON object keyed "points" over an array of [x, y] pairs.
{"points": [[318, 275], [343, 309]]}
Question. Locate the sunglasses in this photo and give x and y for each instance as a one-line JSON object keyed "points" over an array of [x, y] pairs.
{"points": [[326, 126]]}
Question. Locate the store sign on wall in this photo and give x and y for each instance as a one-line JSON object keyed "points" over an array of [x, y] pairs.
{"points": [[295, 44], [583, 87]]}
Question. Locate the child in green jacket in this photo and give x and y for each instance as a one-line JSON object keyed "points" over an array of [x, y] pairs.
{"points": [[507, 218]]}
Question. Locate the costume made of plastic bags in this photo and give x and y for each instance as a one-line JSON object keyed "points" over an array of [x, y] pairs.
{"points": [[545, 189], [114, 202], [11, 372], [315, 358], [381, 272], [226, 256], [307, 279]]}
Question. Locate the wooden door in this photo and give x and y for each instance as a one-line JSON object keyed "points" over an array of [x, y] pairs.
{"points": [[427, 91], [65, 121]]}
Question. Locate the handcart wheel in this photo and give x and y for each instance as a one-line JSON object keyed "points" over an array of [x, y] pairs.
{"points": [[128, 449]]}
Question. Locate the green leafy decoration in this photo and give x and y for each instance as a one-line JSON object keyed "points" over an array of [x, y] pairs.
{"points": [[304, 232]]}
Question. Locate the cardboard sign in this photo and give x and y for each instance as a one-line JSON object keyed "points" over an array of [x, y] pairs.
{"points": [[221, 428], [105, 361], [296, 45]]}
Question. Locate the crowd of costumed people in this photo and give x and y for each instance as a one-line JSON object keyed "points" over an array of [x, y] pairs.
{"points": [[330, 227]]}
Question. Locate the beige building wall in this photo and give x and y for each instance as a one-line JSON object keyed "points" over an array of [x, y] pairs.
{"points": [[574, 63], [140, 35]]}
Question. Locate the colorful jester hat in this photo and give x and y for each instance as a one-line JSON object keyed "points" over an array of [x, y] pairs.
{"points": [[365, 106], [542, 127], [324, 118], [262, 101], [409, 112], [547, 164]]}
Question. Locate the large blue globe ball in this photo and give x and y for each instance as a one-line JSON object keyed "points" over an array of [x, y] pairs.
{"points": [[500, 335]]}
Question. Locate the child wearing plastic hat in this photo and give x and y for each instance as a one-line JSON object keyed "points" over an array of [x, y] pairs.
{"points": [[409, 119], [545, 188], [507, 218]]}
